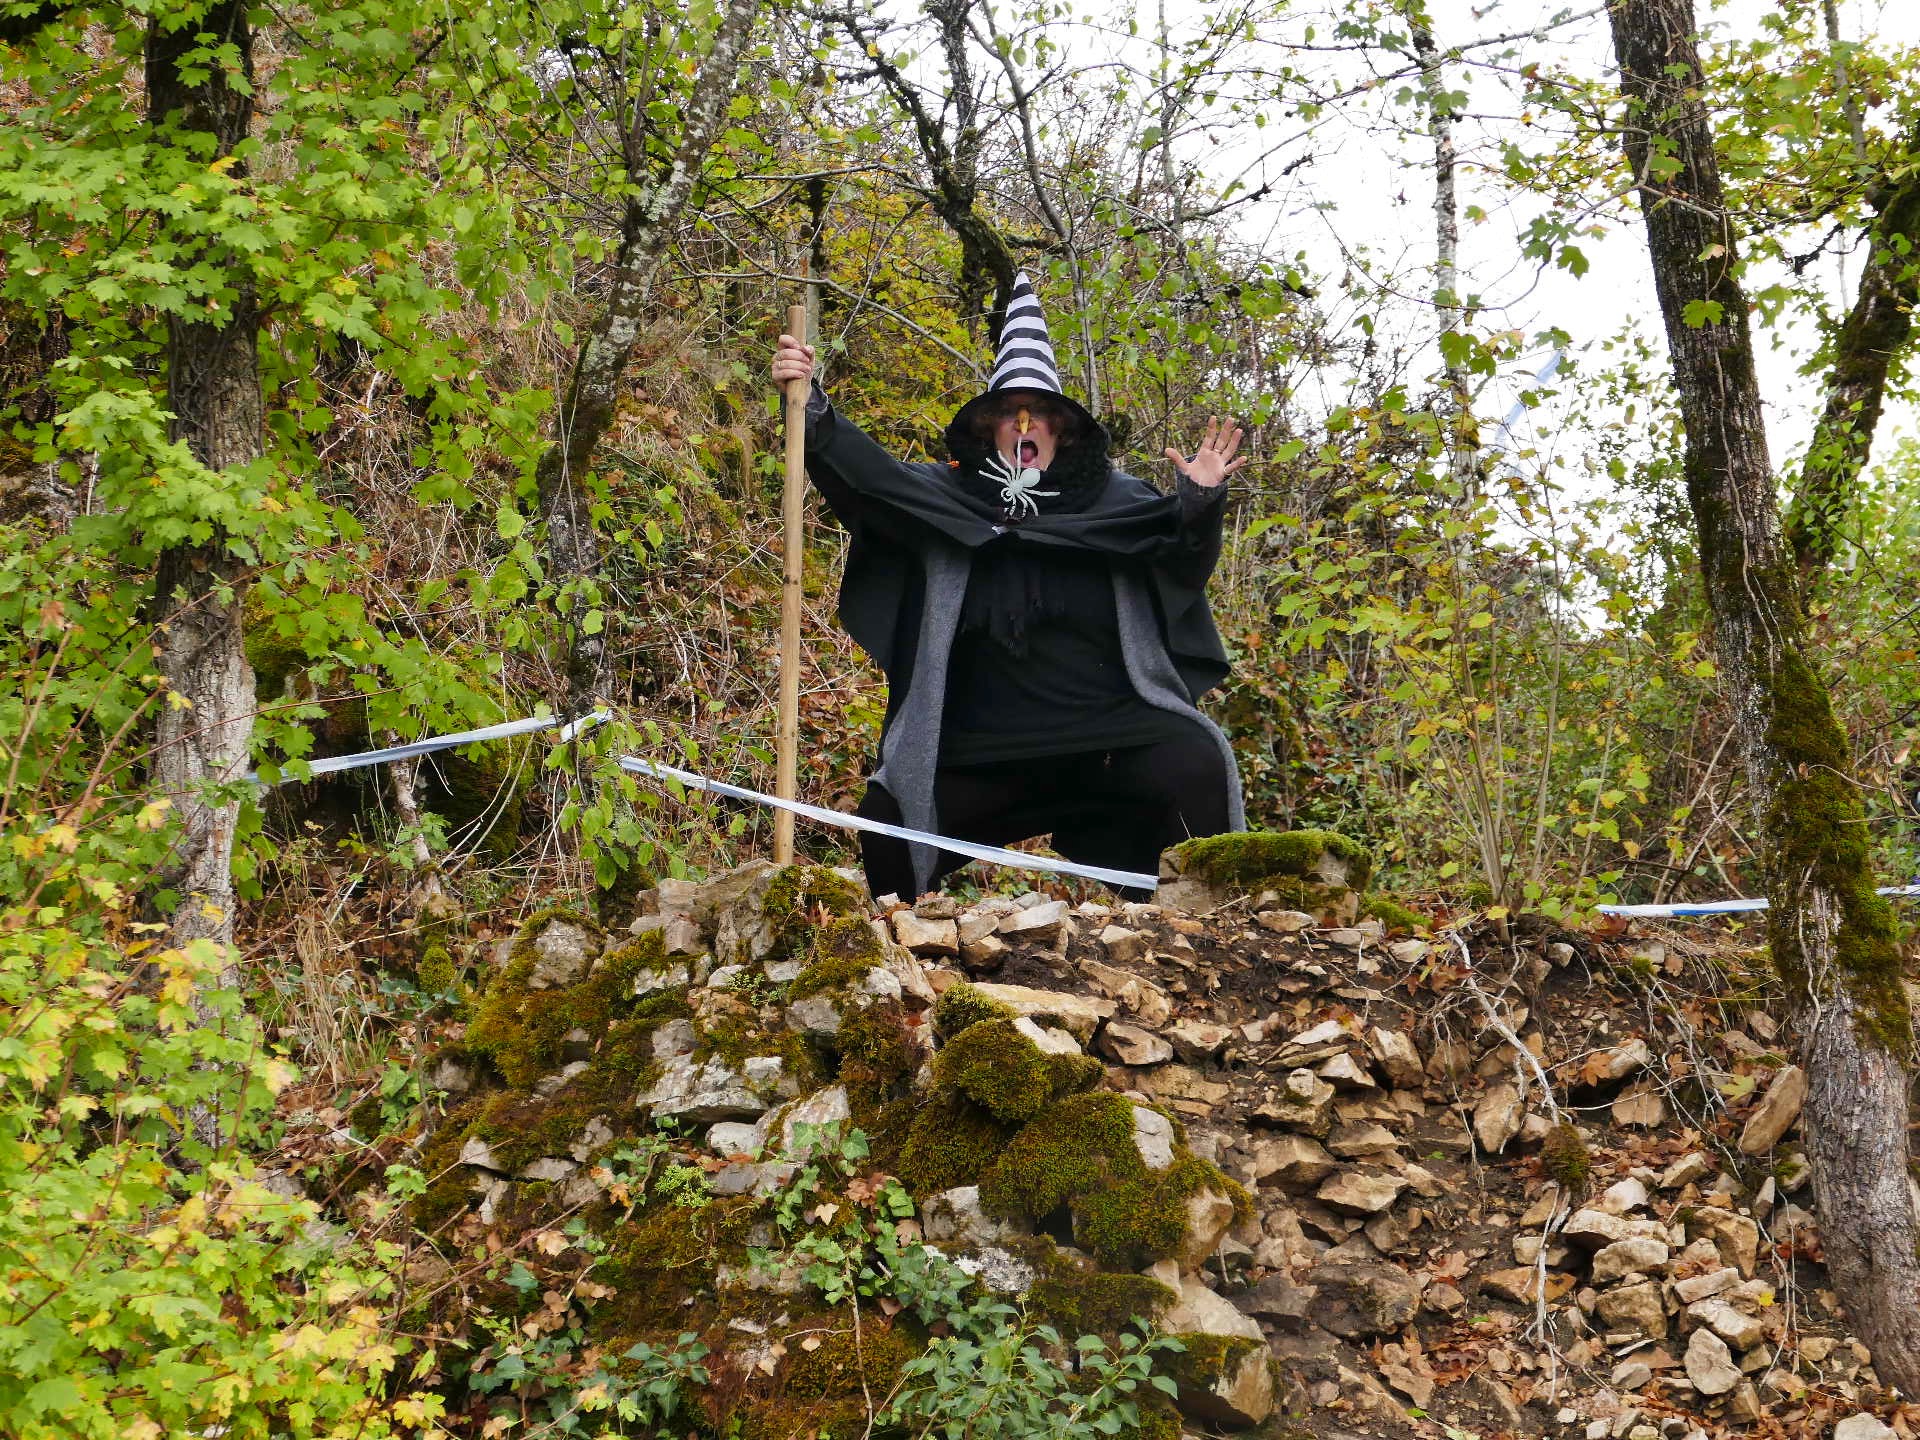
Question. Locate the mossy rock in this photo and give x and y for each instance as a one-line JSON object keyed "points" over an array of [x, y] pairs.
{"points": [[1003, 1072], [1564, 1158], [962, 1005], [840, 952], [1079, 1156], [1076, 1297], [1227, 1379], [802, 899], [950, 1142], [1395, 917], [1320, 871]]}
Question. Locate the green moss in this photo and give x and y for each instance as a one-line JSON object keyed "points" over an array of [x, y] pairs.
{"points": [[962, 1005], [1819, 841], [950, 1142], [878, 1059], [1078, 1299], [522, 1032], [1252, 860], [1203, 1358], [1564, 1157], [1080, 1155], [436, 973], [1398, 919], [844, 1362], [663, 1263], [366, 1118], [999, 1069], [842, 951], [802, 899]]}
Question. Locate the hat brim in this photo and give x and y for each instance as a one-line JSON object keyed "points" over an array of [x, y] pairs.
{"points": [[965, 417]]}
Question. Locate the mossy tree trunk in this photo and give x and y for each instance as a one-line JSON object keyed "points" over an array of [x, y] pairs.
{"points": [[1832, 939], [1875, 337], [213, 390], [593, 390]]}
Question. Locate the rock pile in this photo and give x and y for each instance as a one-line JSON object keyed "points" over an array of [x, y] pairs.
{"points": [[1275, 1129]]}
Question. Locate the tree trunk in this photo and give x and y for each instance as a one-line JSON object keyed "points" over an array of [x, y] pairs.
{"points": [[1874, 337], [600, 365], [213, 390], [1832, 939]]}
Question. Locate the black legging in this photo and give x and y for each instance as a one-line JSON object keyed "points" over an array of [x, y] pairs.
{"points": [[1114, 808]]}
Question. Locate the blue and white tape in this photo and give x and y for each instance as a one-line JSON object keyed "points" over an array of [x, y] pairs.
{"points": [[1719, 907], [1009, 859], [993, 855]]}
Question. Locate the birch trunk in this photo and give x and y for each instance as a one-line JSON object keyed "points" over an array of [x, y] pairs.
{"points": [[593, 389], [1832, 939], [213, 390]]}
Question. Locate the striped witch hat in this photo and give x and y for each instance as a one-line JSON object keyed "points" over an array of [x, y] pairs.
{"points": [[1025, 361]]}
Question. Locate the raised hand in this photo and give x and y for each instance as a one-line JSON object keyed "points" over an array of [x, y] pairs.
{"points": [[792, 361], [1213, 461]]}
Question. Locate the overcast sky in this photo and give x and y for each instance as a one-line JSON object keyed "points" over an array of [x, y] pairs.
{"points": [[1375, 204]]}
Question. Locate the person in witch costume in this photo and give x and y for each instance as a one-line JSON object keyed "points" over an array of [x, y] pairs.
{"points": [[1041, 619]]}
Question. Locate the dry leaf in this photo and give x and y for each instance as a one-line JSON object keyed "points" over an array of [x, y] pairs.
{"points": [[550, 1242]]}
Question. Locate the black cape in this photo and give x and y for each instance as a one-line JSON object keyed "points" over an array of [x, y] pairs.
{"points": [[893, 508]]}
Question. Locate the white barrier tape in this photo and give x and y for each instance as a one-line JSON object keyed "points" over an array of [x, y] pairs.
{"points": [[1011, 859], [334, 764], [1718, 907]]}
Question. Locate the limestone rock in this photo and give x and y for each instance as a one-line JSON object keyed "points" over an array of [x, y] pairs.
{"points": [[1197, 1041], [1522, 1284], [1736, 1237], [1122, 945], [1285, 922], [923, 936], [1635, 1308], [1183, 1083], [1239, 1395], [671, 976], [479, 1154], [700, 1092], [451, 1076], [1496, 1119], [1739, 1329], [1047, 1039], [1595, 1228], [815, 1015], [1690, 1167], [1141, 997], [1042, 923], [1357, 1301], [1304, 1103], [1295, 1161], [823, 1107], [673, 1039], [1710, 1364], [1636, 1253], [987, 953], [1776, 1112], [563, 954], [761, 1178], [956, 1215], [1126, 1044], [1153, 1137], [1346, 1072], [1397, 1056], [1700, 1287], [1080, 1014], [1365, 1141], [1357, 1192], [1321, 1042], [1001, 1271], [734, 1137], [1209, 1215], [1863, 1427], [1623, 1197], [549, 1168]]}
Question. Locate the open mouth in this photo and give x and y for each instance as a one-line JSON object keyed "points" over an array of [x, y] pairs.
{"points": [[1029, 453]]}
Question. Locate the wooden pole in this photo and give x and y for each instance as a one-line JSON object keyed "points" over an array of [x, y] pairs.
{"points": [[792, 513]]}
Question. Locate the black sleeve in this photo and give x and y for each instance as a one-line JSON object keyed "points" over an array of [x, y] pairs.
{"points": [[1203, 511], [847, 466]]}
